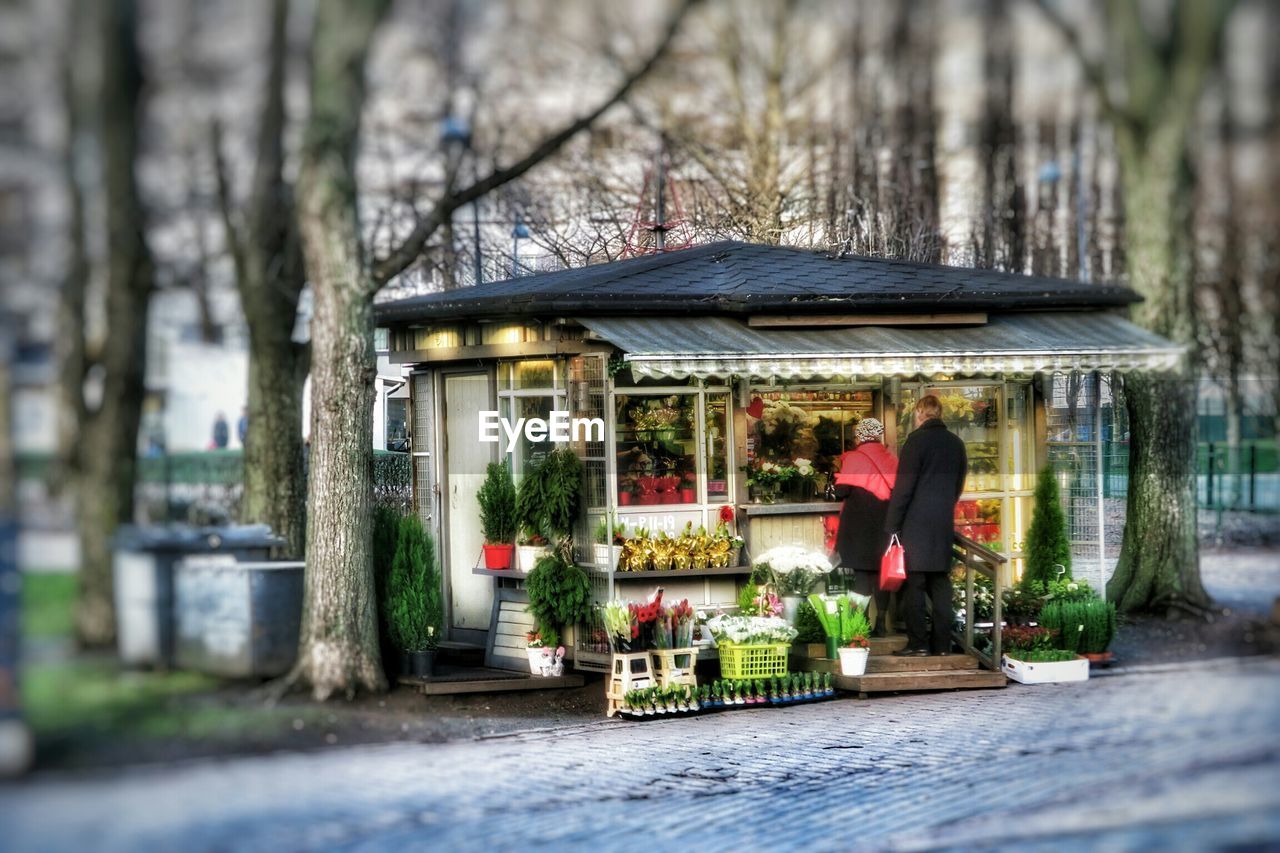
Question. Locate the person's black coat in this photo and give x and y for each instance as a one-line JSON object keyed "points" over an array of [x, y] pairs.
{"points": [[861, 540], [931, 474]]}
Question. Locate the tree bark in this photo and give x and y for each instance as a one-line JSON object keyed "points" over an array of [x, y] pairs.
{"points": [[108, 442], [338, 649], [1159, 565]]}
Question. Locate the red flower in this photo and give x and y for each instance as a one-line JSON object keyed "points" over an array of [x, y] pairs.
{"points": [[726, 514]]}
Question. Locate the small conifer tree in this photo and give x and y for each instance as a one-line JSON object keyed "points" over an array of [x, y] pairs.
{"points": [[1047, 543]]}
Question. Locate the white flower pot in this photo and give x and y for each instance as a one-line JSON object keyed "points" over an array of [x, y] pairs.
{"points": [[535, 660], [853, 661], [527, 556], [607, 555]]}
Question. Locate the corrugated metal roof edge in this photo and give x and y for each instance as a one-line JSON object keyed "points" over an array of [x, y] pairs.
{"points": [[614, 305]]}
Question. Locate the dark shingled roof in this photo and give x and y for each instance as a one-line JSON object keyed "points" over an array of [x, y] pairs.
{"points": [[742, 278]]}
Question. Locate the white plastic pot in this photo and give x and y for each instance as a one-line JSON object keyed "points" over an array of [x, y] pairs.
{"points": [[853, 661], [535, 660], [527, 556]]}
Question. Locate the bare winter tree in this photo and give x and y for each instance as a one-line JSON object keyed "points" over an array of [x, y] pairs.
{"points": [[262, 238], [1151, 106], [102, 381], [338, 649]]}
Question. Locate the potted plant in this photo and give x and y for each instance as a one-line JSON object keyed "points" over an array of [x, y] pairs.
{"points": [[497, 498], [559, 593], [536, 641], [609, 537], [855, 651], [837, 616], [414, 603], [530, 548], [1031, 656]]}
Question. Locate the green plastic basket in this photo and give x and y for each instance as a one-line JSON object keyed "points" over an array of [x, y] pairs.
{"points": [[753, 661]]}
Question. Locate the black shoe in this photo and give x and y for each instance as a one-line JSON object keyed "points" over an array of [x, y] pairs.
{"points": [[911, 653]]}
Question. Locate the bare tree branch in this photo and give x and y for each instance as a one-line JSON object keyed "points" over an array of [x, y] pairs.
{"points": [[1093, 71], [407, 253]]}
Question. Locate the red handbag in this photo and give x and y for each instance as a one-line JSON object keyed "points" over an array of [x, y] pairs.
{"points": [[893, 566]]}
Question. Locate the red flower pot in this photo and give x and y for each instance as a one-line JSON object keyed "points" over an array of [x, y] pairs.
{"points": [[624, 499], [688, 496], [498, 556], [648, 498]]}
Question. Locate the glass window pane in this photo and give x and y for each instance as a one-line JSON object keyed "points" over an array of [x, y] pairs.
{"points": [[973, 413], [981, 520], [397, 424], [526, 451], [1020, 429], [657, 449], [811, 425], [533, 374], [717, 448]]}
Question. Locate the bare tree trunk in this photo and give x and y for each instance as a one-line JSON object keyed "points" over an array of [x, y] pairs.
{"points": [[108, 442], [338, 649], [1159, 567], [270, 277]]}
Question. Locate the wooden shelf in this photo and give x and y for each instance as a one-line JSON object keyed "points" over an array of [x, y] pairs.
{"points": [[683, 573], [500, 573], [805, 508]]}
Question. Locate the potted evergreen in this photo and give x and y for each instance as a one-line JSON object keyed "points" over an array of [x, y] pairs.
{"points": [[1048, 546], [497, 498], [414, 598], [559, 594]]}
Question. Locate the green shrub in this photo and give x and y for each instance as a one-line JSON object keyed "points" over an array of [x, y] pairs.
{"points": [[559, 592], [1047, 542], [1099, 627], [807, 624], [549, 497], [414, 599], [497, 498], [1067, 620], [386, 532]]}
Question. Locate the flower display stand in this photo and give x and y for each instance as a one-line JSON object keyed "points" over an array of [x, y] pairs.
{"points": [[674, 666], [628, 671]]}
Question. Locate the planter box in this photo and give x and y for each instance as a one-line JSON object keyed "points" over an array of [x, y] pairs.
{"points": [[1045, 673]]}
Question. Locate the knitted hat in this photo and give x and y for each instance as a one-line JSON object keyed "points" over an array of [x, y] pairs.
{"points": [[868, 429]]}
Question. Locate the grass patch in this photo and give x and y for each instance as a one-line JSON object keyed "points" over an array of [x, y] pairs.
{"points": [[83, 703], [48, 602]]}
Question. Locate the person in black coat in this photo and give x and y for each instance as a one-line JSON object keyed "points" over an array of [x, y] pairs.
{"points": [[922, 512]]}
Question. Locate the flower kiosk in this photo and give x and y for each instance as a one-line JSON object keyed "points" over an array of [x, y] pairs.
{"points": [[727, 379]]}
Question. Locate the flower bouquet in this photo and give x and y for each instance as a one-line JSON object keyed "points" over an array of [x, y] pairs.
{"points": [[791, 569]]}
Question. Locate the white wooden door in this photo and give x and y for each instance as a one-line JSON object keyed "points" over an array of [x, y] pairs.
{"points": [[465, 459]]}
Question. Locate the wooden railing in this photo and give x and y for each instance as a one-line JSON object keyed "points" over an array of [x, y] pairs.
{"points": [[979, 559]]}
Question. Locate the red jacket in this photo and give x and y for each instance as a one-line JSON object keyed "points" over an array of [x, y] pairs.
{"points": [[870, 466]]}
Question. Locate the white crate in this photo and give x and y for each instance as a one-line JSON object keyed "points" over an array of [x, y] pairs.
{"points": [[1045, 673]]}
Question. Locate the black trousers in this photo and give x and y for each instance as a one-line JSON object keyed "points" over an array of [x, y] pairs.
{"points": [[936, 587]]}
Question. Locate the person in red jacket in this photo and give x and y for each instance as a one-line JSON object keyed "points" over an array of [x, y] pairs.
{"points": [[865, 482]]}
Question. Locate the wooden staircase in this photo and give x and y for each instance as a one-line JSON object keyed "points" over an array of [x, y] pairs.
{"points": [[889, 674]]}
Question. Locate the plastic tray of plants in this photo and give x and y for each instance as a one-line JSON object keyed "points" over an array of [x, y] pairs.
{"points": [[727, 694]]}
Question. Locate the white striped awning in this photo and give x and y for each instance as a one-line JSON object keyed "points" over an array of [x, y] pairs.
{"points": [[719, 347]]}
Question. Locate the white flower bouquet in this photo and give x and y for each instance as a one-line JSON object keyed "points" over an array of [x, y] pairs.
{"points": [[791, 569], [750, 630]]}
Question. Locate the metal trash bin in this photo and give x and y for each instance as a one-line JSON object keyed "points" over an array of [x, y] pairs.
{"points": [[142, 564], [238, 619]]}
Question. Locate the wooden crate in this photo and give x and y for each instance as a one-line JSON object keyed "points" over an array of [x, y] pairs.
{"points": [[675, 666], [628, 671]]}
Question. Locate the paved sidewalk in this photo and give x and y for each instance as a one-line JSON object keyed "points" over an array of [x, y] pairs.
{"points": [[1188, 756]]}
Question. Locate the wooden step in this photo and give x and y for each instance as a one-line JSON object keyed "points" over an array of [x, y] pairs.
{"points": [[933, 663], [892, 682], [879, 646]]}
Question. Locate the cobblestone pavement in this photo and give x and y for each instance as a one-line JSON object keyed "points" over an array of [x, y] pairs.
{"points": [[1181, 757]]}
